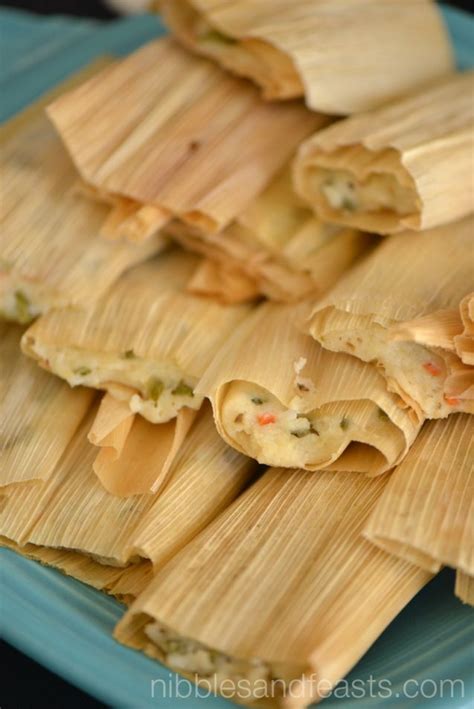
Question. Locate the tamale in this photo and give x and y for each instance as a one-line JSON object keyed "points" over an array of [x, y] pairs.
{"points": [[282, 399], [275, 248], [328, 51], [39, 415], [136, 456], [403, 166], [146, 340], [464, 588], [408, 276], [426, 513], [72, 510], [281, 591], [163, 134], [50, 253]]}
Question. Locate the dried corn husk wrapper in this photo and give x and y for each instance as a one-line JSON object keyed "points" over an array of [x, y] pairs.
{"points": [[408, 276], [146, 341], [407, 165], [275, 248], [464, 588], [136, 456], [187, 141], [256, 595], [71, 511], [123, 583], [328, 51], [282, 399], [50, 253], [426, 513], [33, 404]]}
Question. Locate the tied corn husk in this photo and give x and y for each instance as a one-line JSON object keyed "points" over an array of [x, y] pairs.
{"points": [[408, 276], [185, 141], [50, 252], [39, 415], [426, 513], [282, 399], [404, 166], [464, 588], [72, 511], [282, 585], [146, 341], [275, 248], [123, 583], [330, 52], [136, 456]]}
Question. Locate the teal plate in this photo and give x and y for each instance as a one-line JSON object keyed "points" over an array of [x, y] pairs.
{"points": [[425, 657]]}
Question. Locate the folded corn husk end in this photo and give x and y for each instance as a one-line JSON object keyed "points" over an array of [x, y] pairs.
{"points": [[464, 588]]}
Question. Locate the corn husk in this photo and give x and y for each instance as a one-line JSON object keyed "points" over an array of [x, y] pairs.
{"points": [[72, 510], [136, 456], [269, 369], [327, 51], [426, 513], [464, 588], [33, 405], [259, 585], [160, 146], [464, 342], [49, 246], [275, 248], [125, 584], [419, 148], [129, 342], [408, 276]]}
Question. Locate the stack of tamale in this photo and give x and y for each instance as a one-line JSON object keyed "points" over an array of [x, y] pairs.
{"points": [[223, 251]]}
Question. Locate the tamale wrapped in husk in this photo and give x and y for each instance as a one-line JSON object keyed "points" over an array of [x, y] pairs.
{"points": [[163, 134], [407, 165], [426, 513], [464, 588], [281, 591], [408, 276], [50, 253], [275, 248], [339, 55], [71, 511], [123, 583], [33, 406], [146, 341], [136, 456], [282, 399]]}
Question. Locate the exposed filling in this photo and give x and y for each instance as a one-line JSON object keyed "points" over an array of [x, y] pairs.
{"points": [[379, 192], [414, 372], [236, 679], [276, 435], [161, 389], [19, 301]]}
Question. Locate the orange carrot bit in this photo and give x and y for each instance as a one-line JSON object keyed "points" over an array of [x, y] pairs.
{"points": [[452, 400], [265, 419], [432, 369]]}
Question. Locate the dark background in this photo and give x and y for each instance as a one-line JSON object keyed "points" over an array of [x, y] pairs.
{"points": [[26, 684]]}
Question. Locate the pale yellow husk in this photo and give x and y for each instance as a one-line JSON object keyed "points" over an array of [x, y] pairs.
{"points": [[39, 415], [72, 510], [185, 141], [464, 343], [146, 340], [275, 248], [404, 166], [123, 583], [426, 514], [326, 409], [408, 276], [464, 588], [50, 253], [136, 456], [282, 584], [330, 52]]}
